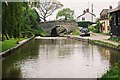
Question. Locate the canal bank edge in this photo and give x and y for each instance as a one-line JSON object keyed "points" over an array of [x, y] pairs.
{"points": [[110, 72], [97, 42], [13, 49], [105, 44], [84, 39]]}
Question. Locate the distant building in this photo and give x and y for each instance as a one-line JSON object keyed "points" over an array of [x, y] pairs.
{"points": [[115, 21], [104, 20], [86, 16]]}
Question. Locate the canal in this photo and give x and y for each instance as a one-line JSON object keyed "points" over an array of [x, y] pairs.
{"points": [[59, 58]]}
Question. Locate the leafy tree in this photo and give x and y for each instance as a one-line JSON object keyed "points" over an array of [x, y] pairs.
{"points": [[17, 18], [67, 13], [47, 7], [96, 27], [11, 14]]}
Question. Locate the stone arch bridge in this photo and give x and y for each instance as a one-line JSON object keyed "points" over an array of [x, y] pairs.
{"points": [[55, 28]]}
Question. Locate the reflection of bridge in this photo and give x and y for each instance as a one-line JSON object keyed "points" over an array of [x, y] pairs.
{"points": [[55, 28]]}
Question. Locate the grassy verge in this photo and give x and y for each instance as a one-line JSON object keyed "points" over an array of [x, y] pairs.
{"points": [[117, 39], [40, 32], [7, 44], [76, 32], [113, 73], [104, 44]]}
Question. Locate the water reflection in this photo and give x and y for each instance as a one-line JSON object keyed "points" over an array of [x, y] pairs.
{"points": [[11, 65], [54, 58], [108, 54], [0, 68]]}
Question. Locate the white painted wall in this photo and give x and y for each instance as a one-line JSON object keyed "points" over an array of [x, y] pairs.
{"points": [[87, 16], [105, 25]]}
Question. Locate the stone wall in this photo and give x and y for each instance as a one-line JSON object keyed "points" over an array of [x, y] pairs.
{"points": [[48, 26]]}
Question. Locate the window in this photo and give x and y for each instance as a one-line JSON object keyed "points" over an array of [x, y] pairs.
{"points": [[103, 23], [103, 28], [83, 18], [114, 18], [118, 17]]}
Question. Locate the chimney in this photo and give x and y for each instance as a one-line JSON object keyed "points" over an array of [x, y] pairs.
{"points": [[84, 11], [87, 10], [110, 7]]}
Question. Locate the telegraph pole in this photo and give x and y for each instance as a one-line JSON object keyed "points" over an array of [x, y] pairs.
{"points": [[92, 12]]}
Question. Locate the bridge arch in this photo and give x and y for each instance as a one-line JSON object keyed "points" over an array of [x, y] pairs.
{"points": [[57, 30], [50, 26]]}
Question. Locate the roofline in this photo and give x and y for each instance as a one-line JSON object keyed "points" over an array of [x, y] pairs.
{"points": [[102, 11], [85, 13], [80, 15], [114, 10]]}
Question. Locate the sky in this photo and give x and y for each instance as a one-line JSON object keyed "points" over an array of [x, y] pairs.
{"points": [[79, 5]]}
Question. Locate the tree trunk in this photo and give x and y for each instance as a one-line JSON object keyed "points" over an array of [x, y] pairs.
{"points": [[4, 37], [44, 19], [65, 17], [7, 37]]}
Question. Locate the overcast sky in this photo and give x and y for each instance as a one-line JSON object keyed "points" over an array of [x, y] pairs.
{"points": [[79, 5]]}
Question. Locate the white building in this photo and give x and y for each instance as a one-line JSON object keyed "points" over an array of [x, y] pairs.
{"points": [[105, 27], [87, 16]]}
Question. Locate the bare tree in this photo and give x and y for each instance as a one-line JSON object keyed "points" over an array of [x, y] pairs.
{"points": [[47, 7]]}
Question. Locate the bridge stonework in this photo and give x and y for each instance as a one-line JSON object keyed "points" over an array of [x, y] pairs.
{"points": [[49, 25]]}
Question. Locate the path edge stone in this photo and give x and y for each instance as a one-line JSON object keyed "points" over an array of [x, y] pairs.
{"points": [[13, 49]]}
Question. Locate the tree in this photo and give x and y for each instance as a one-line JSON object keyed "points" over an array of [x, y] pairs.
{"points": [[95, 28], [67, 13], [17, 18], [12, 15], [47, 7], [98, 25]]}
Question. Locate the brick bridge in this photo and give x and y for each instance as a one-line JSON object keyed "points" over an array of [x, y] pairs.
{"points": [[57, 27]]}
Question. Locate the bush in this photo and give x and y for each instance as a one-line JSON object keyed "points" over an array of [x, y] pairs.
{"points": [[76, 32], [40, 32], [93, 29], [113, 73], [116, 39], [27, 34], [84, 23]]}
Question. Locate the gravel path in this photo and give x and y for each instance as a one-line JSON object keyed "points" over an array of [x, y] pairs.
{"points": [[101, 37]]}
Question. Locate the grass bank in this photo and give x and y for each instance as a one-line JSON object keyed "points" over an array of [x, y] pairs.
{"points": [[106, 44], [117, 39], [40, 32], [76, 32], [113, 73], [7, 44]]}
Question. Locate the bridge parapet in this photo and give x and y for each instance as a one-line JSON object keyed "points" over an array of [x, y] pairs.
{"points": [[49, 25]]}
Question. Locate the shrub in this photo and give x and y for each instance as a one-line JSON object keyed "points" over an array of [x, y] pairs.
{"points": [[76, 32], [93, 29], [116, 39]]}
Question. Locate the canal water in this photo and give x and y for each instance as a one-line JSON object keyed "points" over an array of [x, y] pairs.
{"points": [[59, 58]]}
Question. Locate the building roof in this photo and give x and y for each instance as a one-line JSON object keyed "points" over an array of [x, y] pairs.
{"points": [[104, 12], [85, 13], [115, 9]]}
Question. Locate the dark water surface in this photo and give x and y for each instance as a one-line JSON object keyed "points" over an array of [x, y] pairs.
{"points": [[59, 58]]}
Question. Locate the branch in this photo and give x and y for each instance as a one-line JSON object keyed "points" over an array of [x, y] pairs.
{"points": [[47, 7]]}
